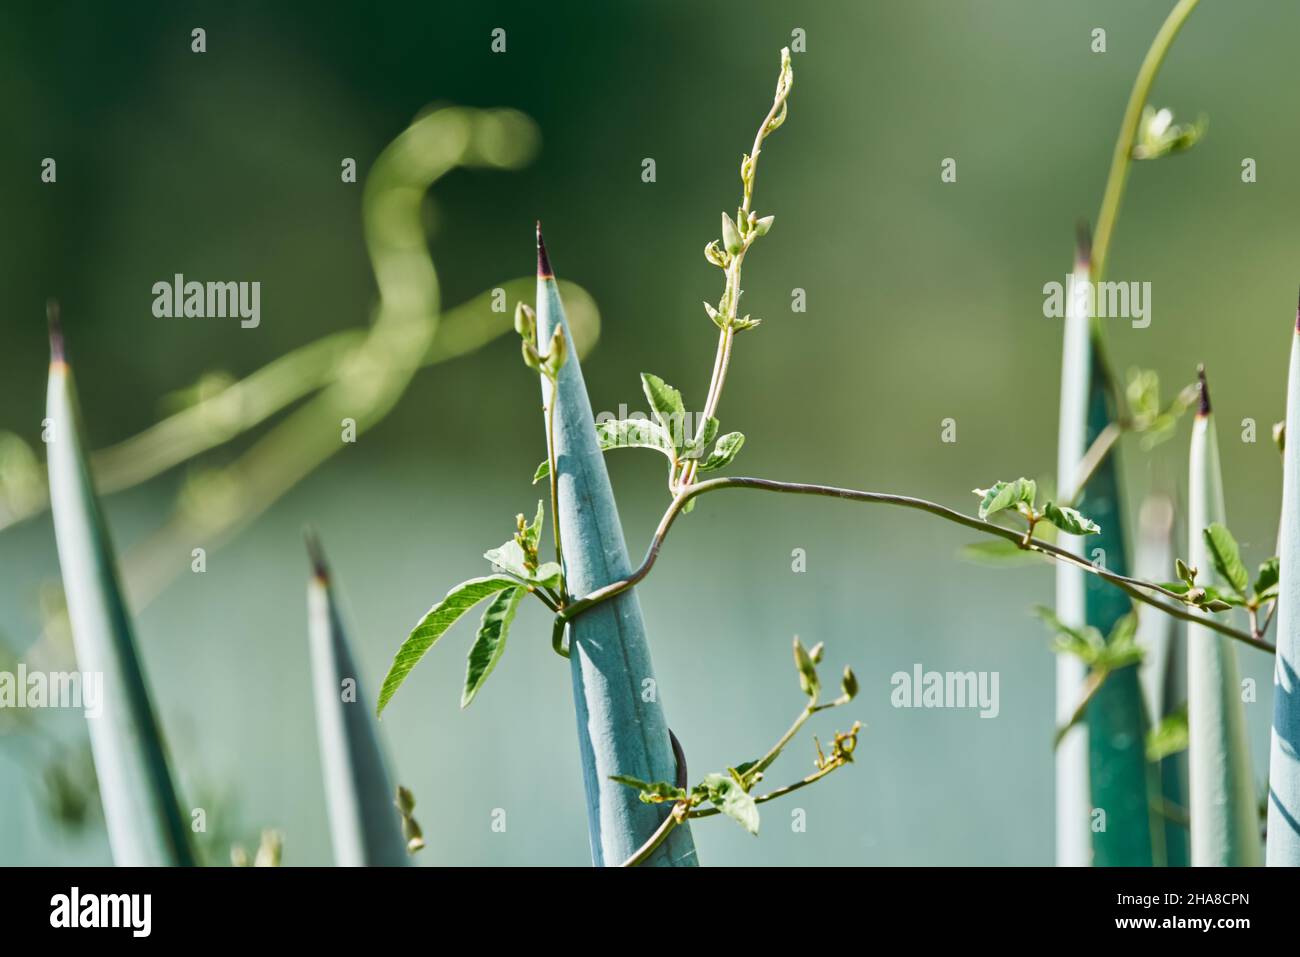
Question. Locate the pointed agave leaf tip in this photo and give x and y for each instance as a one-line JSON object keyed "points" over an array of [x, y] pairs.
{"points": [[683, 778], [1204, 390], [543, 260], [1082, 243], [56, 331], [319, 568]]}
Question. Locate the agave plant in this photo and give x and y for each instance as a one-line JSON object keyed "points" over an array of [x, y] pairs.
{"points": [[1283, 847], [1224, 819], [365, 824], [145, 826]]}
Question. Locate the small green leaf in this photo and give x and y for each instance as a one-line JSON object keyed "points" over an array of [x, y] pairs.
{"points": [[731, 240], [1121, 648], [509, 558], [659, 792], [1085, 643], [1266, 581], [533, 531], [1169, 736], [1004, 495], [1028, 491], [490, 642], [548, 574], [999, 552], [849, 684], [526, 322], [763, 225], [624, 434], [1069, 520], [1227, 557], [557, 354], [808, 680], [1159, 135], [732, 800], [706, 433], [1209, 595], [666, 403], [726, 449], [1188, 575], [434, 624]]}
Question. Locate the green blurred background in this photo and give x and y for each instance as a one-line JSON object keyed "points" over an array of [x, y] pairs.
{"points": [[924, 302]]}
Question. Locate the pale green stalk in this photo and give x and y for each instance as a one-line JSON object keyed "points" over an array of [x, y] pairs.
{"points": [[1223, 806], [1117, 776], [1073, 803], [1155, 557], [1162, 672]]}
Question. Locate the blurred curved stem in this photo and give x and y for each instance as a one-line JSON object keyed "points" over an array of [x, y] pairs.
{"points": [[243, 405], [1092, 459]]}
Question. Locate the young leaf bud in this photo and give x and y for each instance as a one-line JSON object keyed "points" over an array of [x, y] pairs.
{"points": [[405, 800], [849, 683], [531, 358], [731, 240], [526, 322], [558, 353], [763, 225], [807, 670], [714, 254]]}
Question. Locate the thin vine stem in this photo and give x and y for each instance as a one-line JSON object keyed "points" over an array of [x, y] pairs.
{"points": [[653, 842], [1136, 588], [778, 793], [731, 296], [774, 752], [642, 853]]}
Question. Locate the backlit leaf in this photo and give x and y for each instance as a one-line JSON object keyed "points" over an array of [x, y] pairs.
{"points": [[490, 642], [434, 625]]}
